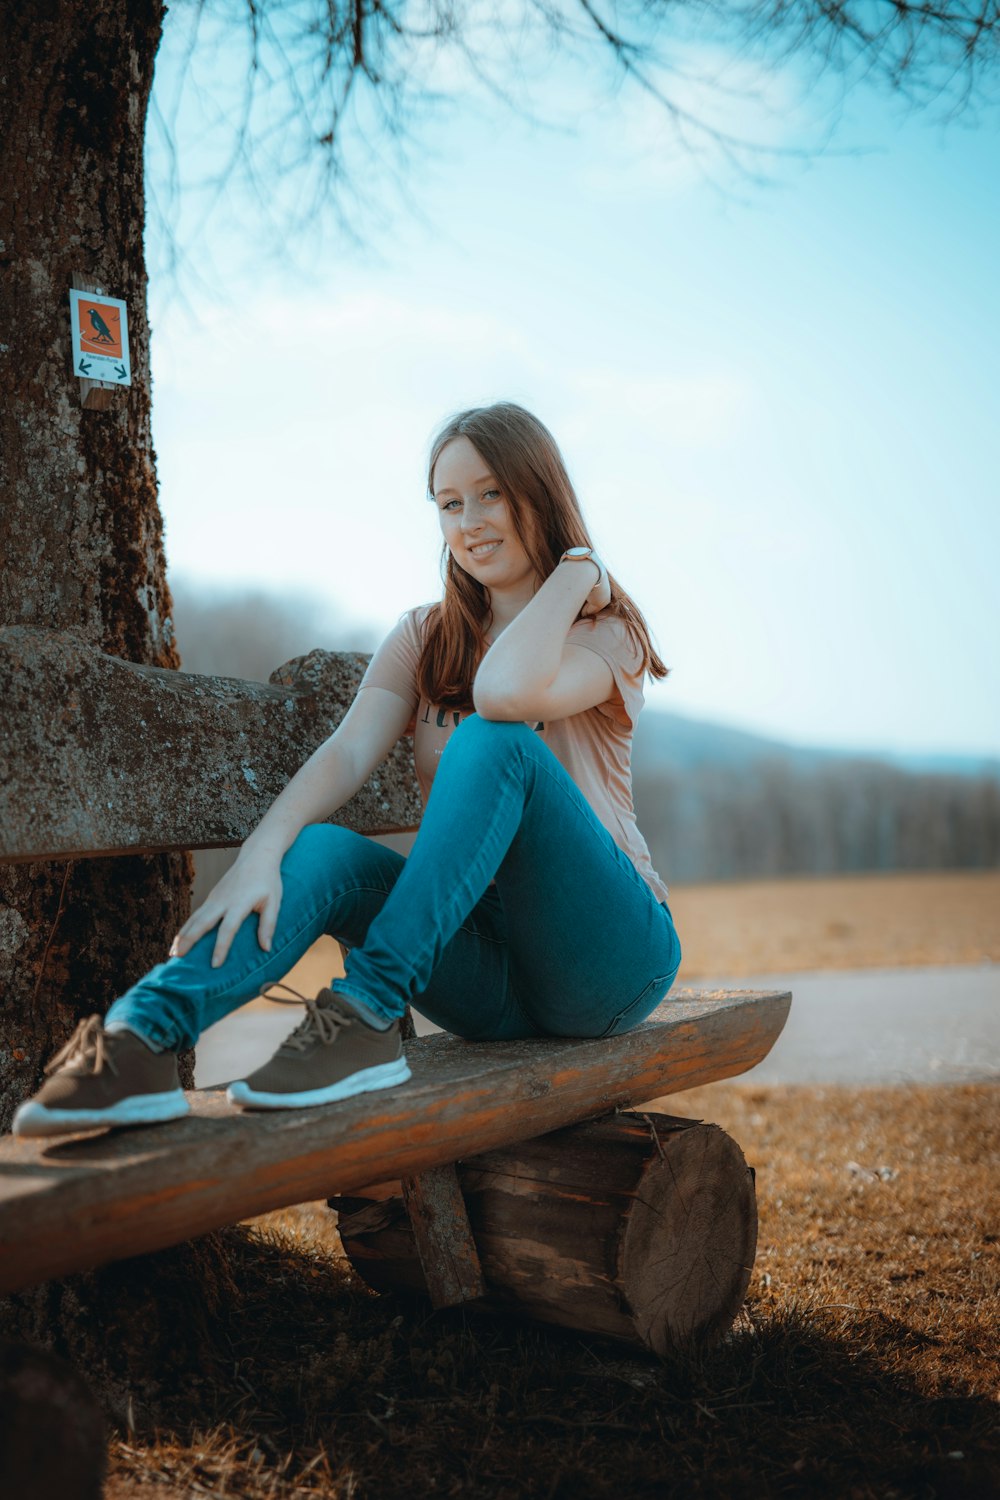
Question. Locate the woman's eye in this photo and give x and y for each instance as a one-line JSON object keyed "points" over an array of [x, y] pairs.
{"points": [[449, 503]]}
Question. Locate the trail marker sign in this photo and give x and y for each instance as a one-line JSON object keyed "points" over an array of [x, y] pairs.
{"points": [[99, 327]]}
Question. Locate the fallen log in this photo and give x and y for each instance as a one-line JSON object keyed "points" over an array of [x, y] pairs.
{"points": [[638, 1227]]}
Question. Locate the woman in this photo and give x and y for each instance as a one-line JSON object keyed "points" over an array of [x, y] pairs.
{"points": [[528, 906]]}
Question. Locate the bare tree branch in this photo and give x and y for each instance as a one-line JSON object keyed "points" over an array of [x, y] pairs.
{"points": [[326, 78]]}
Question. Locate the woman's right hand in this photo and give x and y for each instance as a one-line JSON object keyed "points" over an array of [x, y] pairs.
{"points": [[252, 884]]}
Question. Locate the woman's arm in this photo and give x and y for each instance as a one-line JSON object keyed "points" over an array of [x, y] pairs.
{"points": [[526, 656], [328, 779], [320, 786], [334, 772]]}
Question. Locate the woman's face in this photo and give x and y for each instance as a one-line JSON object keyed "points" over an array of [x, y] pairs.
{"points": [[473, 511]]}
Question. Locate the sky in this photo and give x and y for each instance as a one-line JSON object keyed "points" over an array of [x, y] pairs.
{"points": [[776, 400]]}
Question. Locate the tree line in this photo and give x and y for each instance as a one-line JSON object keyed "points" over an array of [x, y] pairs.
{"points": [[770, 818]]}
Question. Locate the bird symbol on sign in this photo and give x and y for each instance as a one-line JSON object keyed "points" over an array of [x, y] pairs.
{"points": [[103, 332]]}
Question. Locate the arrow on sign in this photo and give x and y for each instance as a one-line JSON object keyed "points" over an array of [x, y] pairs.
{"points": [[84, 367], [120, 371]]}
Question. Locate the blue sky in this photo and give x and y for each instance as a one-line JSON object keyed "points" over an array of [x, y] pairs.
{"points": [[777, 402]]}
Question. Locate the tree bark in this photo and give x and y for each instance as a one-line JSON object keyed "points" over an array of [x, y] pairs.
{"points": [[80, 528]]}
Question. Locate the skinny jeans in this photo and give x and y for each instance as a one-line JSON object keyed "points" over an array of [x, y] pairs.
{"points": [[568, 941]]}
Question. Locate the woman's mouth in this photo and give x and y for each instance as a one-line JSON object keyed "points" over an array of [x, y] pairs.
{"points": [[485, 549]]}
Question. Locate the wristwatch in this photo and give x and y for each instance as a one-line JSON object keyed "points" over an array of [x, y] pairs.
{"points": [[581, 554]]}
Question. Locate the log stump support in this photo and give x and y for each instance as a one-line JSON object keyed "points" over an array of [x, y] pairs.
{"points": [[443, 1238], [442, 1235], [638, 1227]]}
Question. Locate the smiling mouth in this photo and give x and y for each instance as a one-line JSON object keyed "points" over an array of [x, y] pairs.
{"points": [[487, 550]]}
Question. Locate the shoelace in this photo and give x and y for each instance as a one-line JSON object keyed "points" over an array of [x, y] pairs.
{"points": [[317, 1023], [87, 1047]]}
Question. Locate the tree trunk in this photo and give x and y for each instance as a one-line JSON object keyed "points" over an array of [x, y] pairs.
{"points": [[80, 528], [642, 1228]]}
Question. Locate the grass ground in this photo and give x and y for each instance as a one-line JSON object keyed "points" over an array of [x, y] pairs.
{"points": [[866, 1362], [838, 922]]}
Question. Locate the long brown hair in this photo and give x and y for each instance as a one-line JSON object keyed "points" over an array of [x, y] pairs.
{"points": [[524, 457]]}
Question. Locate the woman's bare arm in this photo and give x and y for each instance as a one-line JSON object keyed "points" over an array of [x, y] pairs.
{"points": [[527, 654], [328, 779], [334, 771]]}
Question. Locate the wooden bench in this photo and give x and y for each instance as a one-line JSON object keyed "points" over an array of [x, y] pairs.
{"points": [[507, 1171]]}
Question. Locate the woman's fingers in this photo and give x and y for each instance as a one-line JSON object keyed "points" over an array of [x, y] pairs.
{"points": [[234, 919], [230, 927], [266, 926], [228, 911], [268, 922], [197, 924]]}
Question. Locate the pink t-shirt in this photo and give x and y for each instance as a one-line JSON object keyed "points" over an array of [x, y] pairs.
{"points": [[595, 746]]}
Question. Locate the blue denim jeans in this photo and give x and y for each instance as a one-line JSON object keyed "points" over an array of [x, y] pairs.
{"points": [[569, 941]]}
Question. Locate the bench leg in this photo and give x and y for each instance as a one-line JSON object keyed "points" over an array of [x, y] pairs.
{"points": [[443, 1237], [441, 1231]]}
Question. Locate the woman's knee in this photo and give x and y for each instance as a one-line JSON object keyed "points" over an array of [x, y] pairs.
{"points": [[318, 843], [489, 737], [327, 863]]}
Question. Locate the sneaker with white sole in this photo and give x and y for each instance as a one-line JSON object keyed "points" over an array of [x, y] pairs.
{"points": [[330, 1055], [102, 1078]]}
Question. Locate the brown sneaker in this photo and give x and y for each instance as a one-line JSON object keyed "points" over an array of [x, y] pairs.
{"points": [[103, 1078], [330, 1055]]}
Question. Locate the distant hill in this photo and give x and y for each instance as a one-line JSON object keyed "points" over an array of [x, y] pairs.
{"points": [[667, 741]]}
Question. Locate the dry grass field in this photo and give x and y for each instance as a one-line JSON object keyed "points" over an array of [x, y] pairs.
{"points": [[866, 1362], [838, 922]]}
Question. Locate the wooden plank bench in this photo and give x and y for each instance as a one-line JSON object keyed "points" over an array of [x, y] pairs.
{"points": [[575, 1206]]}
